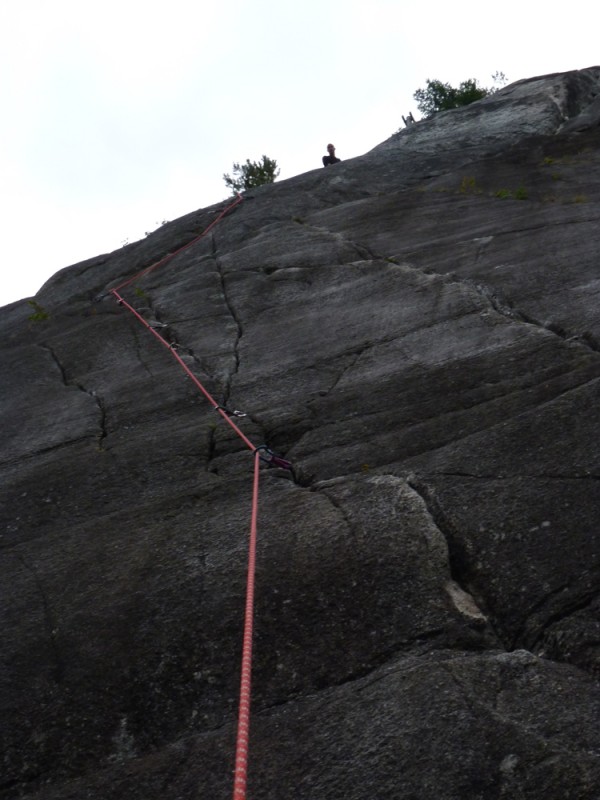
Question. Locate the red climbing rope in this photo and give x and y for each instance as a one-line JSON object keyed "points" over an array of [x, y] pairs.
{"points": [[262, 453], [185, 367], [243, 731], [169, 256]]}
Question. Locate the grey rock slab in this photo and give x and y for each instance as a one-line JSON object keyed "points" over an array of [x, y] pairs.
{"points": [[416, 329], [481, 405], [527, 239], [454, 725], [138, 614]]}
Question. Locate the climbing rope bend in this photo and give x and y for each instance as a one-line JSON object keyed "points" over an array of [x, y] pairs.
{"points": [[260, 454], [172, 255]]}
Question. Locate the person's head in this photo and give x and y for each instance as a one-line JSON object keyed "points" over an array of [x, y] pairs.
{"points": [[331, 149]]}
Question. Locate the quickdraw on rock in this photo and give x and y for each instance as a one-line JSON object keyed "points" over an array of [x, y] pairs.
{"points": [[272, 459], [231, 412]]}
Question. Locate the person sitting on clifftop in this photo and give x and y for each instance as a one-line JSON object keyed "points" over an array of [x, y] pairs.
{"points": [[331, 158]]}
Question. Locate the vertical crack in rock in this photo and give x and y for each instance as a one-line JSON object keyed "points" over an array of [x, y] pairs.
{"points": [[457, 588], [50, 622], [558, 605], [238, 325], [154, 317], [103, 420], [419, 641], [54, 357], [99, 402], [235, 356]]}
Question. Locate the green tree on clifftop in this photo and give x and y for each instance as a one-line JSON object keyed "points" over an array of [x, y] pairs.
{"points": [[251, 174], [440, 96]]}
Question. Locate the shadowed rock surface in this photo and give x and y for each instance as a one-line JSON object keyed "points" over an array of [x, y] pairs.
{"points": [[417, 330]]}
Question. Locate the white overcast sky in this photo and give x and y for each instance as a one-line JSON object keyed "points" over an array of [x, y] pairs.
{"points": [[121, 114]]}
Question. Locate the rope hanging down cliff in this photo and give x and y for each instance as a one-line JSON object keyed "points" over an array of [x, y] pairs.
{"points": [[260, 453]]}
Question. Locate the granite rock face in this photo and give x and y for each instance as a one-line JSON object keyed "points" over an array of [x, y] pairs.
{"points": [[417, 331]]}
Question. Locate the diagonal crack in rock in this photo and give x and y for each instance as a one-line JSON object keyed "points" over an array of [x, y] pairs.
{"points": [[97, 399]]}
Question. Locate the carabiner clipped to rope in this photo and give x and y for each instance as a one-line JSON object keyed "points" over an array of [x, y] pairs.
{"points": [[230, 412], [272, 459]]}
